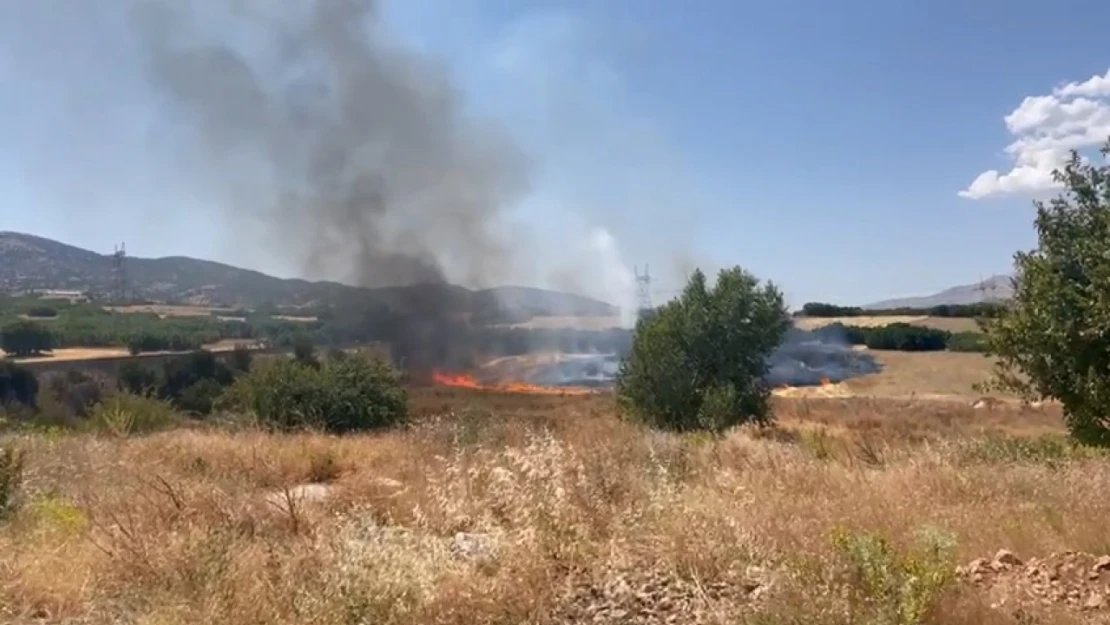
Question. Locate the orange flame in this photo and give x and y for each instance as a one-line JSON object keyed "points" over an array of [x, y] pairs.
{"points": [[467, 381]]}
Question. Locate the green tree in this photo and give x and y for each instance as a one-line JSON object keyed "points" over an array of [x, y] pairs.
{"points": [[1053, 341], [26, 338], [698, 362]]}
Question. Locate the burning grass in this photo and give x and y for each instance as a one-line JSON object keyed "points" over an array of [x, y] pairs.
{"points": [[517, 508]]}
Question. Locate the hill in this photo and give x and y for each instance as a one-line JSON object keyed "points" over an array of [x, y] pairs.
{"points": [[29, 262], [994, 288]]}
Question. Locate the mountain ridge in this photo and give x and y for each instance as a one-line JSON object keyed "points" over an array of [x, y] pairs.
{"points": [[994, 288], [31, 262]]}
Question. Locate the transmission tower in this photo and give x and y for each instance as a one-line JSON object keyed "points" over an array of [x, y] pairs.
{"points": [[643, 288], [120, 287]]}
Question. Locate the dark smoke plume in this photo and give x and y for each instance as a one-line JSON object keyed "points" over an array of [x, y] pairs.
{"points": [[352, 154]]}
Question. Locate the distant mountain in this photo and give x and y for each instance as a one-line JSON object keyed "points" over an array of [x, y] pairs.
{"points": [[994, 288], [29, 262]]}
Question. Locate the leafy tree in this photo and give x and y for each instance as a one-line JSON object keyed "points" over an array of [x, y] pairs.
{"points": [[1054, 339], [26, 338], [698, 362]]}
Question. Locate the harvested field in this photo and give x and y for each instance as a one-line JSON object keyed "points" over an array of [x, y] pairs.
{"points": [[524, 509], [951, 324], [165, 310], [94, 353]]}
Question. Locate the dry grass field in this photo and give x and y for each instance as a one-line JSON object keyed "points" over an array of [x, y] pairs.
{"points": [[166, 310], [523, 509], [951, 324], [94, 353]]}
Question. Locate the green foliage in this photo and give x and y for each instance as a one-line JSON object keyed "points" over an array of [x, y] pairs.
{"points": [[888, 586], [75, 392], [135, 378], [352, 394], [1054, 340], [124, 414], [12, 462], [17, 385], [698, 362], [194, 381], [967, 342], [26, 338], [905, 337]]}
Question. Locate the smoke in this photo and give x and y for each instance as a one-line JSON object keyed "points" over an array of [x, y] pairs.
{"points": [[351, 154]]}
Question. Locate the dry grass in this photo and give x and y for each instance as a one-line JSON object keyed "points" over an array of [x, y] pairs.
{"points": [[95, 353], [951, 324], [924, 375], [166, 310], [559, 504]]}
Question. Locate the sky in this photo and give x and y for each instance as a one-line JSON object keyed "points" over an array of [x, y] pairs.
{"points": [[849, 154]]}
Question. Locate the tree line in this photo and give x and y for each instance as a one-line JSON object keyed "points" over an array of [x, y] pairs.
{"points": [[903, 337], [977, 310]]}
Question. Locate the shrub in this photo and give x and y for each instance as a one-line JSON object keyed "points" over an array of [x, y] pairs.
{"points": [[967, 342], [352, 394], [1053, 340], [124, 414], [17, 385], [905, 337], [11, 478], [698, 362], [26, 338], [199, 369], [44, 312], [888, 585], [134, 378], [76, 392]]}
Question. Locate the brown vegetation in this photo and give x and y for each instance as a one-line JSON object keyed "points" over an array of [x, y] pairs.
{"points": [[534, 509], [949, 324]]}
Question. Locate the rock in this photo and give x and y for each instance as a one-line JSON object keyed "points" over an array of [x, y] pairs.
{"points": [[299, 493], [1095, 601], [1102, 564], [472, 547], [1006, 558]]}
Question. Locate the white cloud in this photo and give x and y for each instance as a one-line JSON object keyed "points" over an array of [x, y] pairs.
{"points": [[1075, 116]]}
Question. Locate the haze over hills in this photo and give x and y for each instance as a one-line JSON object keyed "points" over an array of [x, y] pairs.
{"points": [[29, 262], [994, 288]]}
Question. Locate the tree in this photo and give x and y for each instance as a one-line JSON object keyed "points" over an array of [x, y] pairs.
{"points": [[26, 338], [699, 361], [17, 385], [1053, 341]]}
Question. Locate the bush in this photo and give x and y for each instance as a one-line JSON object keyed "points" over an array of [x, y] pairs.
{"points": [[76, 392], [17, 385], [906, 337], [124, 414], [1053, 340], [26, 338], [134, 378], [200, 368], [698, 362], [967, 342], [11, 479], [352, 394], [43, 312]]}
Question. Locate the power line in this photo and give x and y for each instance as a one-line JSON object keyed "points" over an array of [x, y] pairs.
{"points": [[643, 287]]}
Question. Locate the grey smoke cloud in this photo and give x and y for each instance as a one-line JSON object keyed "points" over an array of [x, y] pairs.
{"points": [[352, 154]]}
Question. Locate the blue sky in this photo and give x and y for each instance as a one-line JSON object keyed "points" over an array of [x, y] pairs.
{"points": [[822, 148]]}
